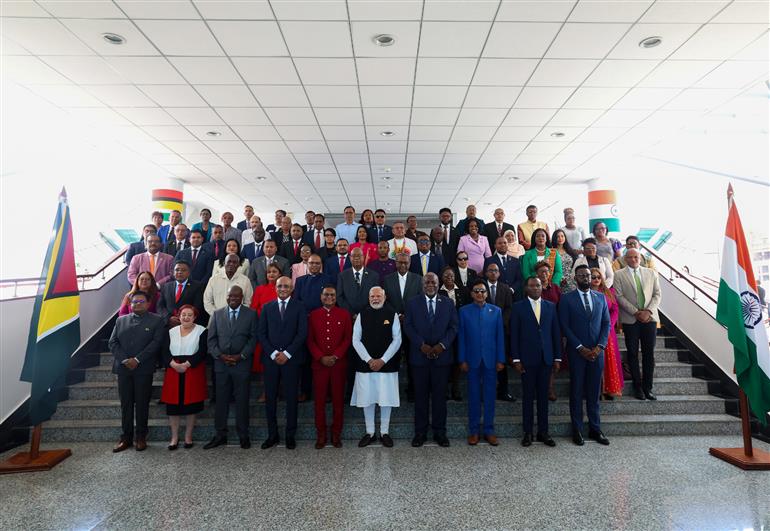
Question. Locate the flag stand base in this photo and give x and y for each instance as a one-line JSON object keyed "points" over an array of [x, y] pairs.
{"points": [[34, 460], [759, 460]]}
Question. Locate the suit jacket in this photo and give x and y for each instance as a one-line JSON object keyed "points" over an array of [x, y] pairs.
{"points": [[510, 273], [449, 248], [392, 288], [164, 265], [191, 294], [140, 338], [242, 225], [170, 247], [287, 251], [309, 238], [308, 290], [420, 329], [480, 336], [533, 343], [287, 334], [133, 250], [462, 226], [503, 300], [459, 281], [277, 237], [258, 269], [580, 328], [351, 296], [625, 291], [373, 233], [204, 263], [435, 264], [238, 339], [212, 249], [490, 231], [332, 266], [249, 251], [164, 232]]}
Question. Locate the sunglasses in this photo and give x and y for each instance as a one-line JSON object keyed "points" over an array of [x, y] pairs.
{"points": [[595, 277], [479, 290], [379, 216], [462, 259]]}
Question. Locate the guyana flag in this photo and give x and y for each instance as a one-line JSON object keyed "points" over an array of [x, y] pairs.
{"points": [[54, 331], [739, 310]]}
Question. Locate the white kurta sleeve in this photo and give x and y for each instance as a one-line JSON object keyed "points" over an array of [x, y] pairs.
{"points": [[357, 344]]}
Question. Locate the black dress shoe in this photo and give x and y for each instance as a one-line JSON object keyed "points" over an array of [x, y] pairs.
{"points": [[246, 443], [366, 440], [649, 396], [599, 437], [526, 440], [639, 394], [291, 443], [269, 443], [545, 439], [386, 441], [187, 446], [418, 440], [506, 397], [213, 443], [577, 438], [441, 440]]}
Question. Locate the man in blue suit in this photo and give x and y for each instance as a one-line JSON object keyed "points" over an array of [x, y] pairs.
{"points": [[332, 265], [510, 269], [535, 353], [379, 231], [585, 321], [425, 261], [481, 354], [431, 325], [256, 247], [282, 332], [200, 258]]}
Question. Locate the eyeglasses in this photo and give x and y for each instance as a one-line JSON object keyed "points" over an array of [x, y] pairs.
{"points": [[479, 290], [379, 216], [139, 301], [462, 258], [595, 277]]}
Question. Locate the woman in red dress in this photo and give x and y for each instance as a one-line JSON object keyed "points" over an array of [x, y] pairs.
{"points": [[613, 367], [362, 241], [262, 295], [184, 385]]}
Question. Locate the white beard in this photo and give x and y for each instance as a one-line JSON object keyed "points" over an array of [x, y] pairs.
{"points": [[377, 306]]}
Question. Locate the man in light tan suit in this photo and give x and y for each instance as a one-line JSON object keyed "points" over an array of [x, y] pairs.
{"points": [[638, 292]]}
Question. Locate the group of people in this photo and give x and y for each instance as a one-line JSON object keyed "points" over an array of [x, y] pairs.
{"points": [[331, 312]]}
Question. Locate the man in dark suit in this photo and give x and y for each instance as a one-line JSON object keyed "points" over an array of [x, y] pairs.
{"points": [[309, 222], [401, 287], [499, 294], [183, 290], [258, 268], [282, 334], [497, 228], [217, 244], [199, 257], [450, 237], [231, 342], [334, 265], [470, 213], [139, 247], [283, 233], [431, 325], [135, 343], [290, 249], [535, 353], [179, 242], [425, 261], [510, 268], [353, 284], [307, 288], [585, 321], [279, 215], [248, 211], [255, 248], [315, 236], [379, 231]]}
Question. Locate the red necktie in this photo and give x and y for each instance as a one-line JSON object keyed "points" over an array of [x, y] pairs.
{"points": [[296, 246], [216, 248], [318, 239], [178, 292], [342, 263]]}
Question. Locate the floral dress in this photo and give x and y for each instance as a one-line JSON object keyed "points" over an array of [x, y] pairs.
{"points": [[568, 276]]}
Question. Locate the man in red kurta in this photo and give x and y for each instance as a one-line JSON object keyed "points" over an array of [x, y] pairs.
{"points": [[328, 340]]}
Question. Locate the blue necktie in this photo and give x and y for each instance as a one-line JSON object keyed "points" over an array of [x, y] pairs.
{"points": [[431, 311]]}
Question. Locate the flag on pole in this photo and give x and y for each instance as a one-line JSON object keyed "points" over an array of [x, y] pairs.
{"points": [[739, 310], [54, 332]]}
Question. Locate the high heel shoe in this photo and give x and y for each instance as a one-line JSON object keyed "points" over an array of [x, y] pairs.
{"points": [[187, 445], [173, 447]]}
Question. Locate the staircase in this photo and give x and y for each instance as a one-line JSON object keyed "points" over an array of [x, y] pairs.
{"points": [[684, 407]]}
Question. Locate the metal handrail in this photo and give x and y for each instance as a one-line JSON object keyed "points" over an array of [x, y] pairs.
{"points": [[679, 274]]}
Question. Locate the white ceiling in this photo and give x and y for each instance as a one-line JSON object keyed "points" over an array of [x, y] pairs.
{"points": [[473, 89]]}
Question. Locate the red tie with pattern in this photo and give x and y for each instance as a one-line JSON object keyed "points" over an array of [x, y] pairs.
{"points": [[296, 246], [318, 239], [342, 263], [178, 292]]}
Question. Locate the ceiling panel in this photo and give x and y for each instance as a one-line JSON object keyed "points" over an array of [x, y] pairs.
{"points": [[586, 41], [453, 39], [180, 37]]}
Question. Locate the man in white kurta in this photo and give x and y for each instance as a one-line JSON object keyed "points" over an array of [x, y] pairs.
{"points": [[215, 295], [376, 340]]}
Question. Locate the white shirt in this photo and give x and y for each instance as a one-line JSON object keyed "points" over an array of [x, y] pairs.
{"points": [[402, 282], [274, 353], [463, 275]]}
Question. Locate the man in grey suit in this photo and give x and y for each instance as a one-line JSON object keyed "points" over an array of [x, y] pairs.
{"points": [[353, 285], [231, 342], [135, 343], [258, 268], [401, 287]]}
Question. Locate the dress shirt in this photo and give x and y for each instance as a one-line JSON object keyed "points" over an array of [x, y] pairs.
{"points": [[463, 275], [347, 231], [590, 304], [402, 283], [275, 352], [537, 305], [215, 296]]}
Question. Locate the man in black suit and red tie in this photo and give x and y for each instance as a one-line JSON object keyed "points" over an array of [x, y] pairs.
{"points": [[334, 265], [450, 237], [199, 256], [290, 249], [183, 290], [315, 236], [497, 228]]}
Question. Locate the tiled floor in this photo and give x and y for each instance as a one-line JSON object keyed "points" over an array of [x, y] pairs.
{"points": [[635, 483]]}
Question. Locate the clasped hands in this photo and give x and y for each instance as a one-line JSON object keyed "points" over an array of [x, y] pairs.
{"points": [[328, 361], [433, 352], [643, 316], [375, 364], [590, 353], [130, 363], [230, 359], [181, 368]]}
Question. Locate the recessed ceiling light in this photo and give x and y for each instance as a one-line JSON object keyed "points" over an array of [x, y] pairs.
{"points": [[213, 133], [513, 178], [650, 42], [387, 170], [387, 178], [487, 204], [261, 178], [387, 133], [113, 38], [384, 40], [387, 186], [286, 204], [557, 134], [308, 198], [466, 198]]}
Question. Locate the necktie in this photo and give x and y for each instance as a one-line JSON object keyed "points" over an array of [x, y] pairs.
{"points": [[216, 248], [493, 292], [257, 249], [431, 310], [318, 239], [358, 278], [424, 264], [586, 304], [499, 229], [233, 315], [296, 246], [446, 233], [537, 310], [379, 233], [178, 246], [503, 263], [194, 256], [152, 264], [178, 292], [342, 263], [283, 309], [639, 291]]}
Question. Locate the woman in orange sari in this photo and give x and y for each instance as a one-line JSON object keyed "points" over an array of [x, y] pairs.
{"points": [[613, 368], [262, 295]]}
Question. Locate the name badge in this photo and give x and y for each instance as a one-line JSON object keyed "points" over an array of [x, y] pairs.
{"points": [[146, 329], [386, 322]]}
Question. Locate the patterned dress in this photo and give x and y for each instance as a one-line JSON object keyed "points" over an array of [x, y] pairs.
{"points": [[568, 276], [613, 368]]}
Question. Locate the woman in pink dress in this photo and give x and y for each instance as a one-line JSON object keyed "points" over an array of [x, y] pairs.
{"points": [[475, 246], [144, 282], [613, 369], [362, 241], [300, 269]]}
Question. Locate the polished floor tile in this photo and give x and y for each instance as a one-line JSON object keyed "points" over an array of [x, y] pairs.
{"points": [[635, 483]]}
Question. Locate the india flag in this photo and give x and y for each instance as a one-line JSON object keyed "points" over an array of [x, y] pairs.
{"points": [[739, 310], [603, 206]]}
